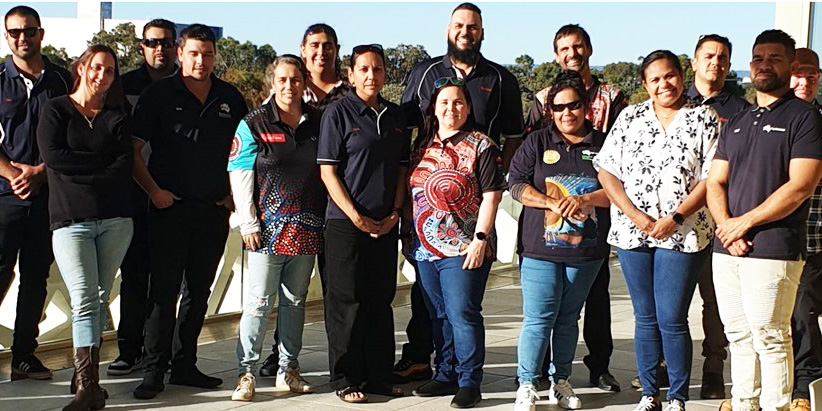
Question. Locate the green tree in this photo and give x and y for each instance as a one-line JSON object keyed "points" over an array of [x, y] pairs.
{"points": [[687, 71], [56, 56], [243, 65], [124, 42], [623, 75], [401, 59]]}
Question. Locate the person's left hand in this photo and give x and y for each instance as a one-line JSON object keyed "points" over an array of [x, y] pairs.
{"points": [[28, 181], [663, 228], [474, 254], [732, 229], [387, 224]]}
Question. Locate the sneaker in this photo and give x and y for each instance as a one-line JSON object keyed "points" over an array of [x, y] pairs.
{"points": [[270, 366], [122, 366], [290, 378], [800, 404], [562, 393], [648, 404], [406, 370], [527, 398], [29, 367], [661, 376], [245, 388], [466, 398], [434, 388], [675, 405]]}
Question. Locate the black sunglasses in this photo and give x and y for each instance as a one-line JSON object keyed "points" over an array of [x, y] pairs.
{"points": [[28, 31], [444, 81], [574, 105], [153, 43], [365, 48]]}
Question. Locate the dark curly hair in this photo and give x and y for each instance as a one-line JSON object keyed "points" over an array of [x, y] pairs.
{"points": [[568, 79]]}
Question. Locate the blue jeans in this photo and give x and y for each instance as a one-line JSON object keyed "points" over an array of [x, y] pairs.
{"points": [[661, 284], [88, 255], [552, 297], [454, 300], [285, 278]]}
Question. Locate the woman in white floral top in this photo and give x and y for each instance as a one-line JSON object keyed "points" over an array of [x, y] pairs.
{"points": [[653, 166]]}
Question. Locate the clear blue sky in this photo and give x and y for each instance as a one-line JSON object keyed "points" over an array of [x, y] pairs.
{"points": [[619, 31]]}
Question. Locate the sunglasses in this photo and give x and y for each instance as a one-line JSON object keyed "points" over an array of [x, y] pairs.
{"points": [[28, 31], [574, 105], [365, 48], [153, 43], [444, 81]]}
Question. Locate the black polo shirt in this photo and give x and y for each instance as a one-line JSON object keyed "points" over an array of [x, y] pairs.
{"points": [[725, 103], [758, 145], [367, 146], [190, 141], [544, 159], [20, 112], [136, 81], [496, 104]]}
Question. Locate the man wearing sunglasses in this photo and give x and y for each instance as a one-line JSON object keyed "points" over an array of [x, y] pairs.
{"points": [[27, 80], [159, 54]]}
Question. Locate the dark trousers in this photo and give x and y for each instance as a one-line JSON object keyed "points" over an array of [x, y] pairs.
{"points": [[807, 340], [361, 279], [420, 343], [186, 244], [134, 285], [713, 346], [24, 231]]}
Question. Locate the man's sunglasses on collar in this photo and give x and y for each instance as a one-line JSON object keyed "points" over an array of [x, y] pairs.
{"points": [[28, 31], [153, 43]]}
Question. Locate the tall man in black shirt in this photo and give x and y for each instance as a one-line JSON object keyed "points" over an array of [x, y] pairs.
{"points": [[159, 55], [27, 80], [190, 134]]}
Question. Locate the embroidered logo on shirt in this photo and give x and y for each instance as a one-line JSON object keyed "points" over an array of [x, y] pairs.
{"points": [[588, 155], [236, 145], [736, 130], [225, 108], [768, 128], [550, 156], [272, 138]]}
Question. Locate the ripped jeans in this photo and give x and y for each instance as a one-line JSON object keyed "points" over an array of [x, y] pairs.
{"points": [[755, 299], [285, 278]]}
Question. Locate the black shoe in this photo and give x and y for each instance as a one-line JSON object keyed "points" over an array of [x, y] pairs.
{"points": [[661, 375], [605, 381], [151, 386], [406, 370], [713, 387], [192, 377], [270, 366], [29, 366], [124, 366], [434, 388], [466, 398]]}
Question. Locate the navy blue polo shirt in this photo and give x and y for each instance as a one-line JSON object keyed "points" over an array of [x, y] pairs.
{"points": [[20, 112], [368, 146], [758, 145], [190, 141], [725, 103], [496, 104]]}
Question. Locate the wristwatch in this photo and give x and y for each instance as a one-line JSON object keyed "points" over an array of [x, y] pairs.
{"points": [[479, 235], [678, 218]]}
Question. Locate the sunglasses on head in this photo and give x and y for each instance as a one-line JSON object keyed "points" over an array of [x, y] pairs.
{"points": [[574, 105], [28, 31], [444, 81], [153, 43], [365, 48]]}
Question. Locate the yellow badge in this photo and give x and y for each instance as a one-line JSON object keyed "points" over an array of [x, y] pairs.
{"points": [[550, 156]]}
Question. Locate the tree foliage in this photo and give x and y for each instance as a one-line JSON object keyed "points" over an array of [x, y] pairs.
{"points": [[123, 40], [243, 65], [401, 59], [56, 56]]}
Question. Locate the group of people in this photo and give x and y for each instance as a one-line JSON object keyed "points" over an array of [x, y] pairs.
{"points": [[693, 187]]}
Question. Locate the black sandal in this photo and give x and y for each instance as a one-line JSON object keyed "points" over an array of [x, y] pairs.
{"points": [[383, 389], [344, 394]]}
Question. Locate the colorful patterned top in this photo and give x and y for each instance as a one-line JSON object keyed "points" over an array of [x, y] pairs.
{"points": [[447, 181], [276, 182]]}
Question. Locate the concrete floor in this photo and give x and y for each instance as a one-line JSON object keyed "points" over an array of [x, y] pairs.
{"points": [[503, 315]]}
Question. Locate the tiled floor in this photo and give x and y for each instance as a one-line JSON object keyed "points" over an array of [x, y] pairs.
{"points": [[503, 314]]}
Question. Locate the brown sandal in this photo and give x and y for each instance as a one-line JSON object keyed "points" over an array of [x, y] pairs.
{"points": [[352, 394]]}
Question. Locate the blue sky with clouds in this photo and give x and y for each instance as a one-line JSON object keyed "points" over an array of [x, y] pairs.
{"points": [[619, 31]]}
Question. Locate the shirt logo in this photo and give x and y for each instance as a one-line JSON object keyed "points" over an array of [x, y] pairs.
{"points": [[736, 130], [225, 108], [236, 146], [485, 89], [550, 157], [588, 155], [272, 138], [768, 128]]}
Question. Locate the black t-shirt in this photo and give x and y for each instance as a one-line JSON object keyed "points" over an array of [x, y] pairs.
{"points": [[89, 169], [546, 162], [368, 147], [190, 141], [758, 145], [725, 103]]}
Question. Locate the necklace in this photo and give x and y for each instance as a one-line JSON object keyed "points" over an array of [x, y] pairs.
{"points": [[90, 121]]}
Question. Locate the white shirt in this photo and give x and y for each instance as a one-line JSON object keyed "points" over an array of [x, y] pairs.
{"points": [[658, 170]]}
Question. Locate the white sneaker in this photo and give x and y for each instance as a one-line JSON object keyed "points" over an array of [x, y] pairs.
{"points": [[290, 378], [245, 388], [648, 404], [527, 398], [562, 393], [675, 405]]}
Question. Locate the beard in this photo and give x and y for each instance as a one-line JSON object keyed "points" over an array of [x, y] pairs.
{"points": [[468, 56], [770, 84]]}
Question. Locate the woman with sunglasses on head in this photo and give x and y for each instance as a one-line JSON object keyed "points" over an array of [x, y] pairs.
{"points": [[456, 184], [563, 240], [87, 150], [653, 166], [363, 156]]}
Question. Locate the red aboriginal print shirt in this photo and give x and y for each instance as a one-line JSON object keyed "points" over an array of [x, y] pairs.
{"points": [[447, 181]]}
